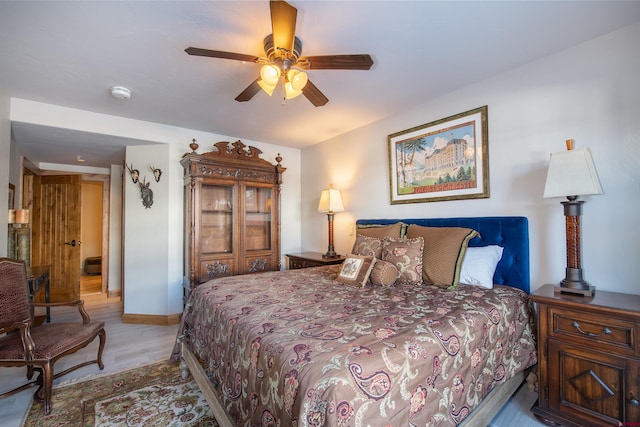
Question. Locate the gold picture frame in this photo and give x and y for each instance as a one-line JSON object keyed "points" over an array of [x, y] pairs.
{"points": [[447, 159]]}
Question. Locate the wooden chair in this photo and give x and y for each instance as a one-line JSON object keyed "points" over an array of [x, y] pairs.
{"points": [[39, 347]]}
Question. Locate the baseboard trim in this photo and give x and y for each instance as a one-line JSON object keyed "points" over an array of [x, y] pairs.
{"points": [[151, 319], [114, 294]]}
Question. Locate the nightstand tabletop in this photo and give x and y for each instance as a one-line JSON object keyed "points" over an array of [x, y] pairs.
{"points": [[311, 259], [317, 257], [629, 303]]}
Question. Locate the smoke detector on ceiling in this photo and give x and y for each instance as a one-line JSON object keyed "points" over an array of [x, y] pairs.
{"points": [[120, 92]]}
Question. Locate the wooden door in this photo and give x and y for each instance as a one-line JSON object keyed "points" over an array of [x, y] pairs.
{"points": [[56, 232]]}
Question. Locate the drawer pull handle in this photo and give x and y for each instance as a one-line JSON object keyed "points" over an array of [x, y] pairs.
{"points": [[605, 330], [634, 402]]}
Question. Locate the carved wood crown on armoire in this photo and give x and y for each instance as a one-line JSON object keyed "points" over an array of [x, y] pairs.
{"points": [[231, 213]]}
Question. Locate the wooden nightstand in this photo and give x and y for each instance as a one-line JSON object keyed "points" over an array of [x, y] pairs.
{"points": [[588, 358], [311, 259]]}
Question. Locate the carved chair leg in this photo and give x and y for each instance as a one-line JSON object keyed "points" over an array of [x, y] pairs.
{"points": [[47, 382], [103, 339], [45, 386], [30, 371]]}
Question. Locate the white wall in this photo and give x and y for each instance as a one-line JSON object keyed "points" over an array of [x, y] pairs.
{"points": [[150, 282], [5, 149], [589, 93]]}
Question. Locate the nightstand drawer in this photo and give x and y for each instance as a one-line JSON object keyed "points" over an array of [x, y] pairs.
{"points": [[589, 328]]}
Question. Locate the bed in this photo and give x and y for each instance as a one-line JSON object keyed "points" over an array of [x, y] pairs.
{"points": [[301, 348]]}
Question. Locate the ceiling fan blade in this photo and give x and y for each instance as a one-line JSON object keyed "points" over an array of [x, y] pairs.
{"points": [[336, 62], [313, 94], [283, 24], [249, 92], [196, 51]]}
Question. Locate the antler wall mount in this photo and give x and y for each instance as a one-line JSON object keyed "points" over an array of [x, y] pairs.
{"points": [[135, 173], [156, 172], [283, 50], [146, 194]]}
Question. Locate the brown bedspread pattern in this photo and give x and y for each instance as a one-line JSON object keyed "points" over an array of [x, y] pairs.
{"points": [[295, 348]]}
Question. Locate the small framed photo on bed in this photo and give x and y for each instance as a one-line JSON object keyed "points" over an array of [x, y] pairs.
{"points": [[355, 270], [447, 159]]}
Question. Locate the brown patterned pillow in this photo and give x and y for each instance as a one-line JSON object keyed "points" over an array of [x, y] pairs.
{"points": [[444, 249], [367, 246], [379, 232], [406, 256], [384, 273], [356, 270]]}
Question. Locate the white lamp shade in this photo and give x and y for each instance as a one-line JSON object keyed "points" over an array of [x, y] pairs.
{"points": [[266, 87], [20, 216], [298, 79], [270, 74], [290, 92], [330, 201], [572, 173]]}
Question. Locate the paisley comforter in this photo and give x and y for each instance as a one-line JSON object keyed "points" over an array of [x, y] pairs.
{"points": [[295, 348]]}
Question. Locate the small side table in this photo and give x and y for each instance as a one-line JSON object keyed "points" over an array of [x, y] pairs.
{"points": [[311, 259], [38, 276]]}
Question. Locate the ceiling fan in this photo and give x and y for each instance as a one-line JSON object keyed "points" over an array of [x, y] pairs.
{"points": [[283, 50]]}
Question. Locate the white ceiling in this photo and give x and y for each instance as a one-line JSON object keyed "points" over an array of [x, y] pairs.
{"points": [[70, 53]]}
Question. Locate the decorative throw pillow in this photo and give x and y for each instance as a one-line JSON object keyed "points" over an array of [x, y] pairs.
{"points": [[356, 270], [367, 246], [444, 249], [479, 265], [406, 256], [383, 273], [381, 231]]}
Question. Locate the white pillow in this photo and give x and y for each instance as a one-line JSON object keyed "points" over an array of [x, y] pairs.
{"points": [[479, 265]]}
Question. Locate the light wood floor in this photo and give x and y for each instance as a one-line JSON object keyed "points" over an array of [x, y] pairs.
{"points": [[90, 284], [130, 345]]}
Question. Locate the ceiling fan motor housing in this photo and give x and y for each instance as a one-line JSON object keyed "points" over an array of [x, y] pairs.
{"points": [[283, 58]]}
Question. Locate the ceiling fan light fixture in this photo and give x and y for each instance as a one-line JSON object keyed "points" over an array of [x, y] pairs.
{"points": [[267, 87], [298, 79], [283, 49], [290, 92], [270, 74]]}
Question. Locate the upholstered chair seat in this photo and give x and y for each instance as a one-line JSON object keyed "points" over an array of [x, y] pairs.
{"points": [[51, 340]]}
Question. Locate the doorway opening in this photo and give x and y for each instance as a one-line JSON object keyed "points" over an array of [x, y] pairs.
{"points": [[91, 235]]}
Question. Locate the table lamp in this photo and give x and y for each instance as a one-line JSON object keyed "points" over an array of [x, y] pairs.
{"points": [[330, 202], [571, 174]]}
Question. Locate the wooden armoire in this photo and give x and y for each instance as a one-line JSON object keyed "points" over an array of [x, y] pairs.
{"points": [[231, 213]]}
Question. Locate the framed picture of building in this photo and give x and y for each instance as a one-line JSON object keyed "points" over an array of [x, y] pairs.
{"points": [[447, 159]]}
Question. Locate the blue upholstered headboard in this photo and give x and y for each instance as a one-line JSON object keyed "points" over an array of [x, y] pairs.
{"points": [[510, 232]]}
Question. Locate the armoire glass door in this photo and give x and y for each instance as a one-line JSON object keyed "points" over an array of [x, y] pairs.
{"points": [[258, 218], [216, 221]]}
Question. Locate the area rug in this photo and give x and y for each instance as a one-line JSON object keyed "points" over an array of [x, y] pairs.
{"points": [[152, 395]]}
